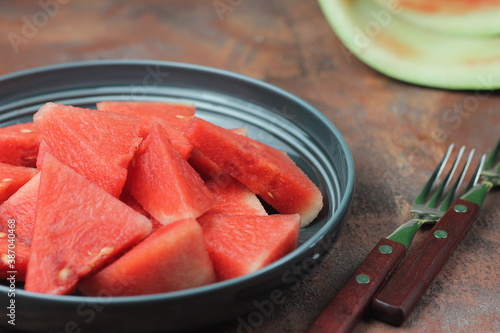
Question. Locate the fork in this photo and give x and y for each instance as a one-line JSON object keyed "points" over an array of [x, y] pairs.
{"points": [[397, 299], [346, 308], [491, 172]]}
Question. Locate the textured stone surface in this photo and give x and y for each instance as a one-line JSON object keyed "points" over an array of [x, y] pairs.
{"points": [[396, 131]]}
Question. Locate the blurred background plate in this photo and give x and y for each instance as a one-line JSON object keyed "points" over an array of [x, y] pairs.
{"points": [[383, 37], [271, 115]]}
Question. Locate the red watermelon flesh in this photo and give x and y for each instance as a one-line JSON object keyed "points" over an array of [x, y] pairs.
{"points": [[172, 258], [19, 144], [12, 177], [233, 198], [447, 6], [174, 117], [42, 150], [128, 199], [78, 228], [99, 145], [203, 165], [155, 224], [164, 183], [21, 207], [13, 265], [268, 172], [240, 245]]}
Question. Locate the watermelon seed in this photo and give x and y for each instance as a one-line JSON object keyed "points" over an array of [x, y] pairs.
{"points": [[3, 235], [64, 273], [29, 158], [105, 251], [26, 130], [270, 194], [6, 180]]}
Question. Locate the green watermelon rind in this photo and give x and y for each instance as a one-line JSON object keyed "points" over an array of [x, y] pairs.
{"points": [[480, 22]]}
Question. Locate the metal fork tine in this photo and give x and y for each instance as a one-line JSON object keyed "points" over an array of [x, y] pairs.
{"points": [[455, 166], [432, 203], [435, 175], [448, 199], [464, 170], [477, 173], [396, 300]]}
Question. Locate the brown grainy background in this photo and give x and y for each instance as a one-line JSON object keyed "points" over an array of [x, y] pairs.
{"points": [[396, 131]]}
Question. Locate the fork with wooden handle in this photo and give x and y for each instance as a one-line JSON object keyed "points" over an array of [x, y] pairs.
{"points": [[397, 299], [344, 311]]}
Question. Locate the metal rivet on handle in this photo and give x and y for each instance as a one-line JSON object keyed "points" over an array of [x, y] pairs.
{"points": [[385, 249], [362, 279], [440, 234], [460, 208]]}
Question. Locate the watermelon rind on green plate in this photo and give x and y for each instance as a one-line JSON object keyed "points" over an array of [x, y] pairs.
{"points": [[395, 41]]}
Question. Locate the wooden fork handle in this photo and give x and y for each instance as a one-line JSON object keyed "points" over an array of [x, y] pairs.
{"points": [[397, 299], [347, 307]]}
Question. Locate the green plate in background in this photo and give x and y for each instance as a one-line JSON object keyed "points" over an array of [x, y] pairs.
{"points": [[384, 39]]}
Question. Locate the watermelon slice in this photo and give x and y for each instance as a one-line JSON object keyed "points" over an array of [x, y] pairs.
{"points": [[203, 165], [240, 245], [42, 149], [21, 207], [172, 258], [15, 262], [266, 171], [164, 183], [174, 117], [12, 177], [233, 198], [99, 145], [19, 144], [78, 228], [128, 199]]}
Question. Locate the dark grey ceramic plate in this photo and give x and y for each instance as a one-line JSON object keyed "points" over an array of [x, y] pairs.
{"points": [[271, 115]]}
